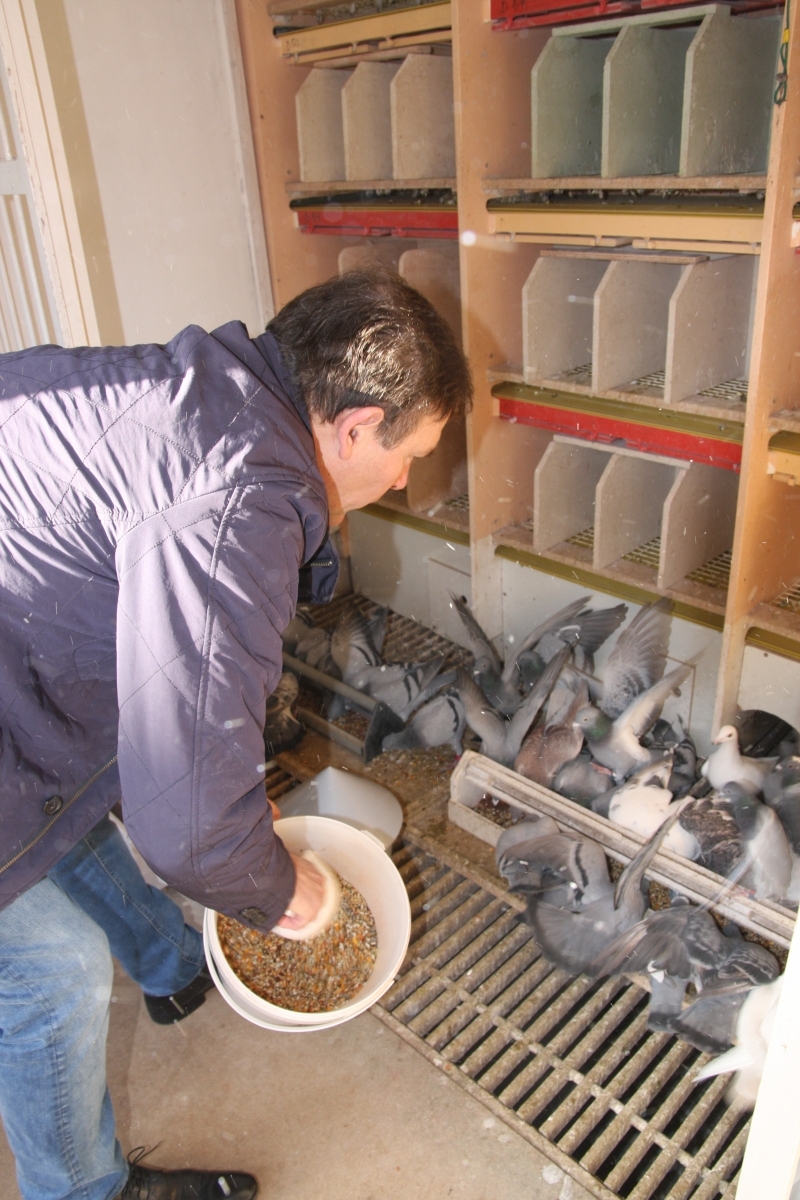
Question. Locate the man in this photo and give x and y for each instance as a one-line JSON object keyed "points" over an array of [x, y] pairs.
{"points": [[161, 509]]}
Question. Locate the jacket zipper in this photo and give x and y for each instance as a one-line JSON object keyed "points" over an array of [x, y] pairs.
{"points": [[85, 787]]}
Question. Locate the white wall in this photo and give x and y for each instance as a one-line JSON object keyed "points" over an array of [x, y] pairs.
{"points": [[162, 155]]}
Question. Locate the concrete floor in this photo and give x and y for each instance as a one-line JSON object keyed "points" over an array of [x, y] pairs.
{"points": [[348, 1114]]}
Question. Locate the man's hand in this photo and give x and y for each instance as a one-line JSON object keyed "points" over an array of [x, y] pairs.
{"points": [[308, 895]]}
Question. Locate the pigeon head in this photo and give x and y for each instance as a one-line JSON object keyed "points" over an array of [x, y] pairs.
{"points": [[483, 671], [726, 734], [592, 723], [741, 803], [530, 665]]}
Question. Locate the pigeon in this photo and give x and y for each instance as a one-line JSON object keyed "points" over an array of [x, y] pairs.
{"points": [[753, 1032], [615, 742], [709, 1022], [399, 685], [727, 765], [439, 722], [679, 945], [782, 794], [501, 739], [296, 630], [587, 632], [549, 745], [767, 853], [638, 659], [282, 730], [536, 859], [583, 780], [642, 804], [574, 941], [357, 642], [684, 755], [719, 843], [498, 681]]}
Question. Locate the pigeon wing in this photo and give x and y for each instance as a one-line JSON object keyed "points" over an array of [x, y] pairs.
{"points": [[656, 942], [645, 708], [529, 708], [638, 658], [352, 647], [479, 643], [596, 627], [563, 617]]}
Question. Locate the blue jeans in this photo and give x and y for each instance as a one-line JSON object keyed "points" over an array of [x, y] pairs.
{"points": [[55, 984], [145, 929]]}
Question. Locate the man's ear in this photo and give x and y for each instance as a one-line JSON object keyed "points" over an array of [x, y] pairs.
{"points": [[354, 424]]}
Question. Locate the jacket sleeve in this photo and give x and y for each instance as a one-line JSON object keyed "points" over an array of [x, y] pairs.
{"points": [[204, 590]]}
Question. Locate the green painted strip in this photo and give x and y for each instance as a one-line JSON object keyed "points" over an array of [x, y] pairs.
{"points": [[622, 410], [786, 441], [445, 532], [775, 643], [610, 587], [723, 206]]}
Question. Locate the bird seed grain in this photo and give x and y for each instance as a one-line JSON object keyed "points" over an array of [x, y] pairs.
{"points": [[314, 976]]}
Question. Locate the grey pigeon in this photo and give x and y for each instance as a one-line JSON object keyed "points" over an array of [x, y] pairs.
{"points": [[638, 659], [398, 685], [439, 722], [537, 860], [282, 730], [680, 945], [643, 802], [357, 642], [500, 682], [297, 628], [575, 940], [782, 794], [767, 852], [615, 742], [584, 781], [709, 1023], [500, 738], [719, 843]]}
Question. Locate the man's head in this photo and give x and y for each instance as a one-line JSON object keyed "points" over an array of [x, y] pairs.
{"points": [[380, 373]]}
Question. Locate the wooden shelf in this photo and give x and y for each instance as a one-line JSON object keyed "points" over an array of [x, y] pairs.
{"points": [[721, 224], [375, 36], [449, 520], [678, 432], [674, 184], [626, 578], [384, 187]]}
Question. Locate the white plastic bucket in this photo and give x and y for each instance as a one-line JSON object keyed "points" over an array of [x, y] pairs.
{"points": [[347, 797], [360, 859]]}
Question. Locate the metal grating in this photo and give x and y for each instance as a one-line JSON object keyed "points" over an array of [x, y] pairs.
{"points": [[656, 380], [459, 503], [566, 1062], [584, 539], [581, 375], [716, 573], [405, 641], [734, 389], [646, 555], [789, 599]]}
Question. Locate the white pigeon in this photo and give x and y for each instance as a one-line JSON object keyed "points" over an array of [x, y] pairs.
{"points": [[753, 1032], [644, 802], [727, 765]]}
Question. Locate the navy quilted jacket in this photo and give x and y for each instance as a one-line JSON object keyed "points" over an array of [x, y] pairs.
{"points": [[157, 504]]}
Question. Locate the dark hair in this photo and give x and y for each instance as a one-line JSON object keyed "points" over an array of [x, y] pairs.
{"points": [[367, 337]]}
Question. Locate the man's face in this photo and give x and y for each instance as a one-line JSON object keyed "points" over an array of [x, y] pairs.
{"points": [[358, 468]]}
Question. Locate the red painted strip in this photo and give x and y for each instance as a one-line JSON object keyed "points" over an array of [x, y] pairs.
{"points": [[522, 14], [649, 438], [362, 222]]}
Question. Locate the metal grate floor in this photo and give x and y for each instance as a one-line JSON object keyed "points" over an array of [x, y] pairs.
{"points": [[715, 573], [581, 375], [459, 503], [734, 389], [584, 539], [655, 380], [647, 555], [789, 599], [566, 1062], [405, 640]]}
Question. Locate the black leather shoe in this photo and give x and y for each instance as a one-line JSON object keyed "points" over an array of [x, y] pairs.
{"points": [[165, 1010], [148, 1183]]}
